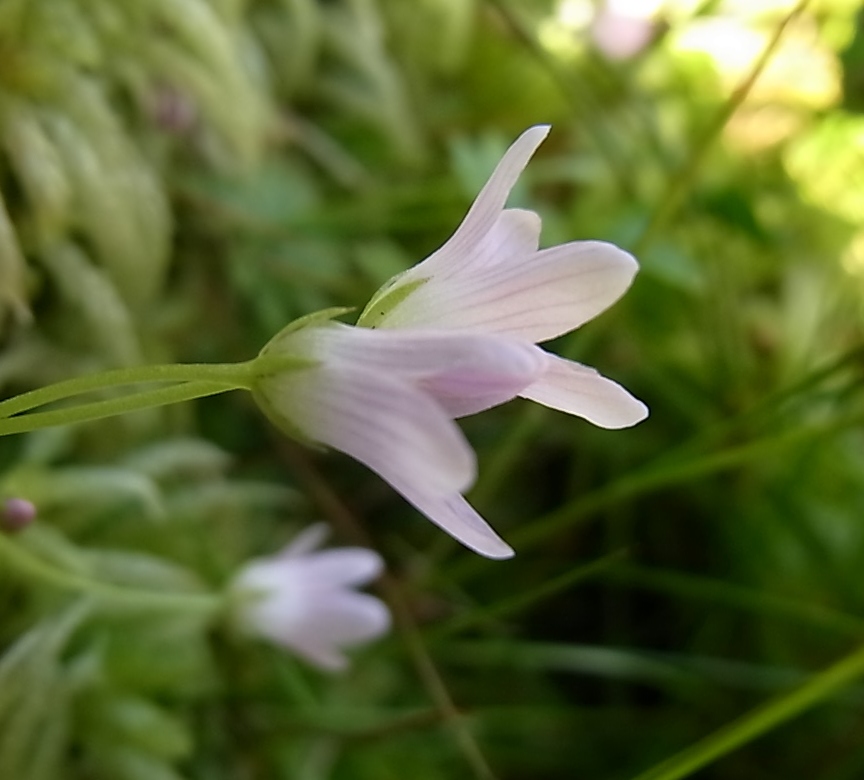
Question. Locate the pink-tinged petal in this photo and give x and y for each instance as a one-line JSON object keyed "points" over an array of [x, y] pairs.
{"points": [[305, 600], [342, 566], [453, 514], [335, 620], [548, 294], [416, 354], [486, 209], [496, 371], [513, 237], [485, 230], [472, 391], [265, 575], [347, 617], [466, 374], [309, 539], [576, 389], [327, 657], [273, 598], [397, 430]]}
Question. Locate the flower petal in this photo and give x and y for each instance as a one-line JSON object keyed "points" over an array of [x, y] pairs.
{"points": [[309, 539], [543, 296], [465, 373], [483, 228], [347, 617], [397, 430], [273, 597], [332, 621], [576, 389], [453, 514], [486, 209], [326, 657], [339, 567], [512, 237]]}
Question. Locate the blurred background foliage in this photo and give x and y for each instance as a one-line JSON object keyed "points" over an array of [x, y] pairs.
{"points": [[179, 180]]}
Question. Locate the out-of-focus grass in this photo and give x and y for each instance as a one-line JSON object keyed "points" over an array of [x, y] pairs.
{"points": [[180, 180]]}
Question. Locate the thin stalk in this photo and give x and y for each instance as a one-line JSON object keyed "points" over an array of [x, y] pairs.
{"points": [[650, 479], [504, 458], [685, 585], [760, 720], [344, 521], [606, 144], [32, 567], [98, 410], [235, 374], [515, 604], [680, 184]]}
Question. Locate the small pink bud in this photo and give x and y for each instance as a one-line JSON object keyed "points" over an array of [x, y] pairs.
{"points": [[16, 514], [173, 111]]}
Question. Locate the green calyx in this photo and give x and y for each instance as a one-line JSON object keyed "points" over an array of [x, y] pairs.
{"points": [[279, 357], [277, 343], [281, 420], [145, 387], [386, 300]]}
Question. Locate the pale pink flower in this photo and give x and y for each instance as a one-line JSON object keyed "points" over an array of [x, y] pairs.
{"points": [[492, 278], [452, 336], [388, 399], [623, 29], [306, 600]]}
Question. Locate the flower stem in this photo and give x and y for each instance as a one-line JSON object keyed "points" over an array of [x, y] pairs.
{"points": [[185, 391], [760, 720], [239, 375], [32, 567], [680, 184]]}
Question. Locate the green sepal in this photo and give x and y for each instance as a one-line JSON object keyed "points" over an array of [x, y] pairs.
{"points": [[282, 421], [385, 300], [276, 358], [305, 321]]}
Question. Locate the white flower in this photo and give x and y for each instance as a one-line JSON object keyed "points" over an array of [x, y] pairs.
{"points": [[490, 277], [388, 399], [452, 336], [306, 600]]}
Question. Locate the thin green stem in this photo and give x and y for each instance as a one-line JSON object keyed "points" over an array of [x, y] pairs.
{"points": [[235, 374], [652, 478], [435, 685], [515, 604], [583, 99], [680, 184], [344, 521], [684, 585], [97, 410], [774, 403], [32, 567], [760, 720], [503, 459]]}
